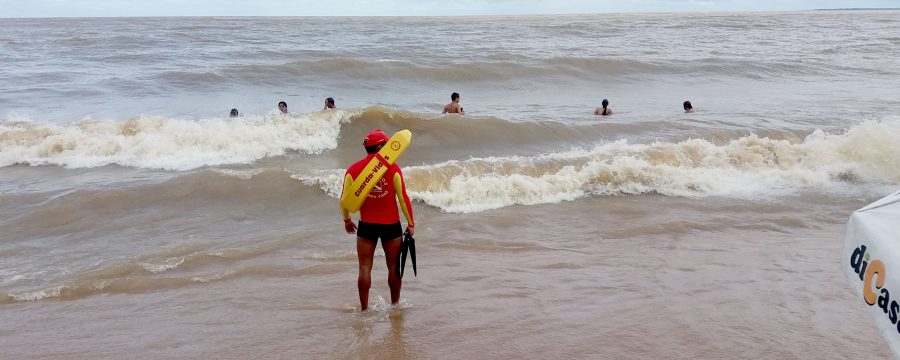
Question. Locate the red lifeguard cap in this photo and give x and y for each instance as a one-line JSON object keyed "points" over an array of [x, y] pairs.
{"points": [[375, 137]]}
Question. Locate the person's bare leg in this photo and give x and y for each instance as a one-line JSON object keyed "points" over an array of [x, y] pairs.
{"points": [[365, 251], [392, 257]]}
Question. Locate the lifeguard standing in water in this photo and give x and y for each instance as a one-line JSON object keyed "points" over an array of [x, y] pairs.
{"points": [[379, 218]]}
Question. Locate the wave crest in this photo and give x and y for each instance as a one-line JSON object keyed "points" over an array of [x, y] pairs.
{"points": [[171, 144], [747, 167]]}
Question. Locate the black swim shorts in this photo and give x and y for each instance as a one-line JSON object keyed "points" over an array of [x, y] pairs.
{"points": [[373, 232]]}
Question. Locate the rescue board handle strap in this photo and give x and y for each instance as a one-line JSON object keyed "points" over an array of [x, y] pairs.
{"points": [[382, 160]]}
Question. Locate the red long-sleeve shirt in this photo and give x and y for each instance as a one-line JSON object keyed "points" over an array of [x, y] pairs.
{"points": [[379, 206]]}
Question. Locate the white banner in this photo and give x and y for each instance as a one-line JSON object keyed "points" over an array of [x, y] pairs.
{"points": [[871, 261]]}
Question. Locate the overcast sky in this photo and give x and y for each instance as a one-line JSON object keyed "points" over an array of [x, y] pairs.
{"points": [[56, 8]]}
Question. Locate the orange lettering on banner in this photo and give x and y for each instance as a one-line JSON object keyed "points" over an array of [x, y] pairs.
{"points": [[875, 267]]}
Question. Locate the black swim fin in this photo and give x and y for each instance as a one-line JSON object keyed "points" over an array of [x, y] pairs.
{"points": [[403, 250], [407, 246], [411, 246]]}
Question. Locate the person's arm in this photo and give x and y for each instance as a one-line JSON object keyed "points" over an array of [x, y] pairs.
{"points": [[403, 198], [349, 226], [461, 112]]}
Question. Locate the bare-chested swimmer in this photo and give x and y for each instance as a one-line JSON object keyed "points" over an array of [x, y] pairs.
{"points": [[453, 107]]}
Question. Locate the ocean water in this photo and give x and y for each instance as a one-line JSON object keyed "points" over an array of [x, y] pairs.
{"points": [[138, 220]]}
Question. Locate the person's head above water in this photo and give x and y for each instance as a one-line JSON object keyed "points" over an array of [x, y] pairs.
{"points": [[282, 106], [374, 140], [234, 113], [454, 96], [329, 103], [604, 109], [687, 106]]}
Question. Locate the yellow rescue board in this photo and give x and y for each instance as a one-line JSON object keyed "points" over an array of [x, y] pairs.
{"points": [[352, 199]]}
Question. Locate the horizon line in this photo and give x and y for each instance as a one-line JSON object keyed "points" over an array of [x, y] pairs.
{"points": [[449, 16]]}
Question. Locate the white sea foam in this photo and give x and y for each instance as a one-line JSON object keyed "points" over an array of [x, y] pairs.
{"points": [[39, 295], [240, 174], [747, 167], [330, 181], [172, 144], [171, 263], [211, 277]]}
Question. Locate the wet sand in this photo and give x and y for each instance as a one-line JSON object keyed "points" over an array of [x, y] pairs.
{"points": [[622, 277]]}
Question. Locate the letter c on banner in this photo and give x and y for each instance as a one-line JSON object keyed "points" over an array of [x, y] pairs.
{"points": [[875, 267]]}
